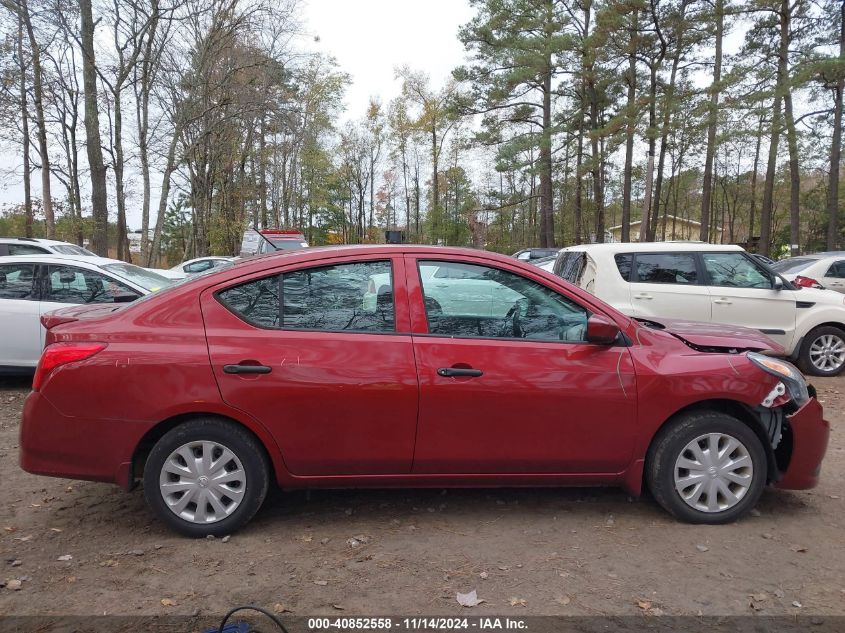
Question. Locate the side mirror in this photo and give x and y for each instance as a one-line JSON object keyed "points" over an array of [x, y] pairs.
{"points": [[777, 284], [601, 330]]}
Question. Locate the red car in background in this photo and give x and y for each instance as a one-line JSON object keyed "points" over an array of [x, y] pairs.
{"points": [[409, 366]]}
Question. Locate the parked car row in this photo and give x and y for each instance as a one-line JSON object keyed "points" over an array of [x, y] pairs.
{"points": [[411, 366], [717, 284]]}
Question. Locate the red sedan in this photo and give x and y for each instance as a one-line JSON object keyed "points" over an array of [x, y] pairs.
{"points": [[409, 366]]}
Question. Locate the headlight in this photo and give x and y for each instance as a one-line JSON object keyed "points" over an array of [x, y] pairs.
{"points": [[787, 372]]}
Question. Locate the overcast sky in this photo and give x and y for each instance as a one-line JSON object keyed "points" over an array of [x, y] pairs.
{"points": [[370, 38]]}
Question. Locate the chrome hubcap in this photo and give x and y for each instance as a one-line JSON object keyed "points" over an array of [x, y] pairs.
{"points": [[713, 472], [202, 482], [827, 352]]}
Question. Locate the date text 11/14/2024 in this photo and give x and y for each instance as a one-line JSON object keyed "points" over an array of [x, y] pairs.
{"points": [[417, 624]]}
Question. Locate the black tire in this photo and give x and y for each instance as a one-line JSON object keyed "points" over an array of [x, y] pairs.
{"points": [[667, 447], [804, 360], [241, 443]]}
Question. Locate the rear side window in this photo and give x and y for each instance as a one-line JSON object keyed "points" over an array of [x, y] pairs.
{"points": [[26, 249], [68, 284], [624, 263], [666, 268], [792, 265], [345, 298], [16, 281], [572, 266], [837, 270]]}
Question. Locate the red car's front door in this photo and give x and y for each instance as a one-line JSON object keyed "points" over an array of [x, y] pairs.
{"points": [[511, 386], [331, 374]]}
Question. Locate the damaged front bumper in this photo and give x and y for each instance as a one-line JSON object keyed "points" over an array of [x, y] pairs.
{"points": [[803, 447]]}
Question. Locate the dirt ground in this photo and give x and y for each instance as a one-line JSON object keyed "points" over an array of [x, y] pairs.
{"points": [[87, 548]]}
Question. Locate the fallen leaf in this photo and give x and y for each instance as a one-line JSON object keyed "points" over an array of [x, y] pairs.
{"points": [[798, 548], [280, 608], [23, 539], [339, 607], [167, 602], [564, 600], [644, 604], [71, 579], [760, 597], [797, 604], [65, 557], [322, 583], [14, 584], [702, 548], [55, 529], [109, 563], [483, 575], [470, 599], [518, 602]]}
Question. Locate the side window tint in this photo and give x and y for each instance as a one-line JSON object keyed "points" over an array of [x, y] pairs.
{"points": [[67, 284], [198, 267], [349, 297], [666, 268], [478, 301], [837, 270], [257, 302], [624, 264], [16, 281], [735, 270], [572, 267], [26, 249]]}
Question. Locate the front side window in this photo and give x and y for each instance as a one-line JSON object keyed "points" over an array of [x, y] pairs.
{"points": [[68, 284], [735, 270], [666, 268], [467, 300], [354, 297], [16, 281]]}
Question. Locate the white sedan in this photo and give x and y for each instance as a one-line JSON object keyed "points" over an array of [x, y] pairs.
{"points": [[33, 285], [820, 270]]}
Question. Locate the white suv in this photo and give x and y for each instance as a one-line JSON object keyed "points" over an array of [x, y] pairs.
{"points": [[715, 283], [40, 246]]}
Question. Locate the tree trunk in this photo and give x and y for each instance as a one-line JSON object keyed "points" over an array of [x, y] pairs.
{"points": [[630, 123], [645, 228], [99, 195], [547, 220], [791, 135], [667, 114], [707, 184], [753, 212], [37, 89], [122, 239], [769, 186], [27, 193], [836, 147]]}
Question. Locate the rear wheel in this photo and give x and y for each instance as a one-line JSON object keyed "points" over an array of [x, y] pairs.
{"points": [[206, 476], [706, 467], [823, 351]]}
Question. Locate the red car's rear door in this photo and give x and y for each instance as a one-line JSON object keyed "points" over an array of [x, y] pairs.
{"points": [[332, 373], [513, 388]]}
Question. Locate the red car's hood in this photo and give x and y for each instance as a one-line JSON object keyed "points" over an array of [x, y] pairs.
{"points": [[715, 335]]}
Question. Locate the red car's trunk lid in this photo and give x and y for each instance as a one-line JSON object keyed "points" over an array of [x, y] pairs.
{"points": [[715, 336], [77, 313]]}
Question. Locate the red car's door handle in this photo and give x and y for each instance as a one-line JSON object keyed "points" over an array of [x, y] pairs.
{"points": [[459, 371], [246, 369]]}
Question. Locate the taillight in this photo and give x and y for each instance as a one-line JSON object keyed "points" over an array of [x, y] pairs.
{"points": [[58, 354], [806, 282]]}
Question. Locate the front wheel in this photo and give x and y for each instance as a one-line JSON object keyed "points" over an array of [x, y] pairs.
{"points": [[823, 352], [706, 467], [206, 477]]}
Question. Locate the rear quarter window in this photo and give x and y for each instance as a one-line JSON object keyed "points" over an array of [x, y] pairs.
{"points": [[624, 263], [666, 268]]}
